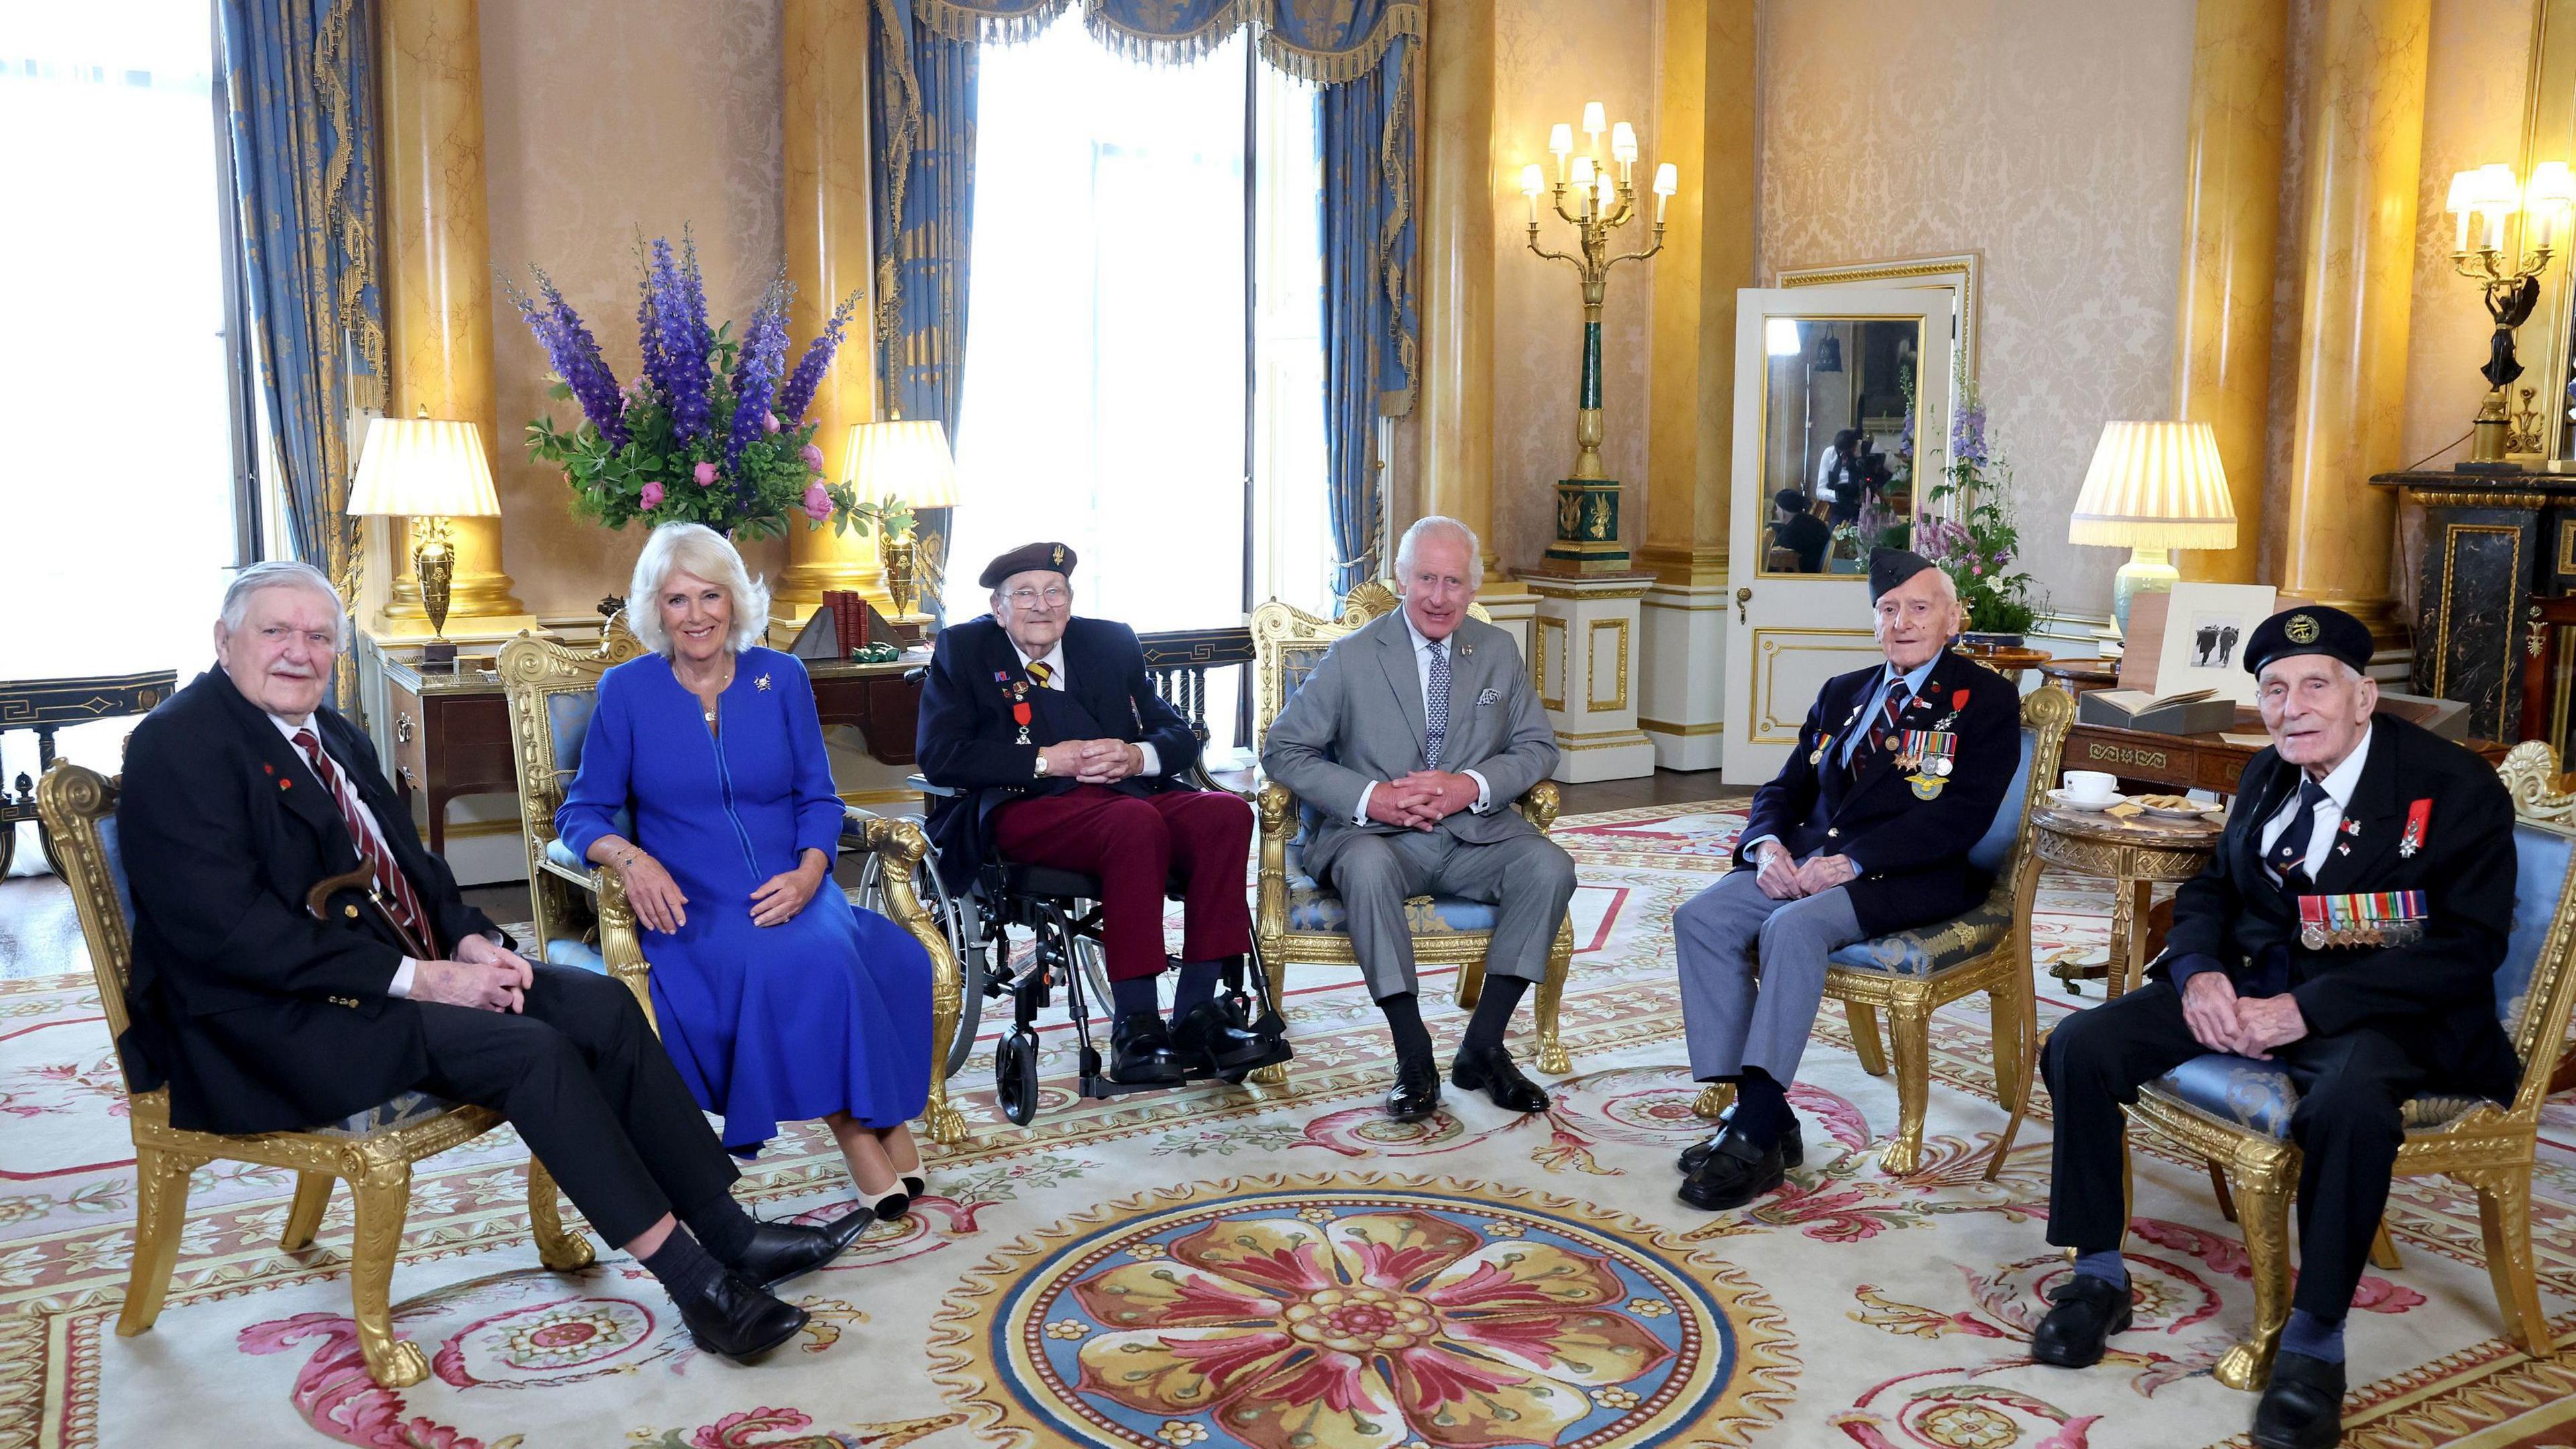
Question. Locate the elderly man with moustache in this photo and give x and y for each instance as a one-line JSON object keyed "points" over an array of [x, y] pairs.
{"points": [[1866, 830], [1412, 738], [241, 793], [2349, 926]]}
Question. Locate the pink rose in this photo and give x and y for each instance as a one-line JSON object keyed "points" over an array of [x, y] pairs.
{"points": [[652, 496], [818, 503], [706, 475], [769, 422], [813, 457]]}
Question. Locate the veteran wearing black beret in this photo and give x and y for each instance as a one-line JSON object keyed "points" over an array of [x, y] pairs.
{"points": [[1060, 753], [2349, 928], [1797, 529], [1866, 830]]}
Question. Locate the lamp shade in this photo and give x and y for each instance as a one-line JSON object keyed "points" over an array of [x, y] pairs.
{"points": [[908, 459], [422, 468], [2155, 485]]}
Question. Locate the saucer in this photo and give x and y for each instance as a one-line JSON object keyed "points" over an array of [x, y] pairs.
{"points": [[2064, 801]]}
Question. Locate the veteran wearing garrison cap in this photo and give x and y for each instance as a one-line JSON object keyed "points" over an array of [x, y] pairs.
{"points": [[1865, 831], [2349, 927], [1061, 754]]}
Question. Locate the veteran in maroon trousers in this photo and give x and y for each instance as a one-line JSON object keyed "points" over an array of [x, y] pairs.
{"points": [[1061, 754]]}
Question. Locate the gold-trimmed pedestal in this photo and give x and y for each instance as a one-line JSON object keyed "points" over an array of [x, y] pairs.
{"points": [[1586, 654]]}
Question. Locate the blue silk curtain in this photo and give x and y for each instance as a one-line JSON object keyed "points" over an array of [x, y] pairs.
{"points": [[1371, 324], [303, 146]]}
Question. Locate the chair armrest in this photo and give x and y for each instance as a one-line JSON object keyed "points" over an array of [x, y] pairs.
{"points": [[927, 786], [1277, 808], [1540, 805], [621, 948]]}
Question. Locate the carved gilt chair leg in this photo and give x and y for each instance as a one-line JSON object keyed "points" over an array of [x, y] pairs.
{"points": [[304, 1218], [1471, 982], [1551, 995], [2504, 1219], [383, 1193], [2218, 1189], [564, 1252], [2263, 1210], [2008, 1031], [2383, 1249], [1713, 1100], [1909, 1024], [1865, 1040], [160, 1207]]}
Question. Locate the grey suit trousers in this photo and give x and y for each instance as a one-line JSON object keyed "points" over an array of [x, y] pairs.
{"points": [[1529, 876], [1753, 974]]}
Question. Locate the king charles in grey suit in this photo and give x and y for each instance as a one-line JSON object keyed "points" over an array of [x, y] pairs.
{"points": [[1411, 740]]}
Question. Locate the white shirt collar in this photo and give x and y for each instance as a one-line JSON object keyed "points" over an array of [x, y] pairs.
{"points": [[288, 727], [2340, 781], [1053, 659], [1421, 641]]}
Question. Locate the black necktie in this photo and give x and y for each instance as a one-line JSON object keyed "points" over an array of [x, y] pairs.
{"points": [[2288, 857]]}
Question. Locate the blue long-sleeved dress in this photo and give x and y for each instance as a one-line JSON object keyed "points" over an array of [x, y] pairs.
{"points": [[823, 1013]]}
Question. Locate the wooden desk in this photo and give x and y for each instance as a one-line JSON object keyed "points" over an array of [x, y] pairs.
{"points": [[2187, 762]]}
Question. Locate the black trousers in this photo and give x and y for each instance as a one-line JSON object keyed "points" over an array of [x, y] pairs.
{"points": [[2352, 1087], [585, 1081]]}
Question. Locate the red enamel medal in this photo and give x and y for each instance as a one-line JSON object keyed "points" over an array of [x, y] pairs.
{"points": [[2419, 817]]}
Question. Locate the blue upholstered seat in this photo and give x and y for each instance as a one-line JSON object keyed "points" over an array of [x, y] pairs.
{"points": [[1930, 950], [2259, 1096], [1314, 908]]}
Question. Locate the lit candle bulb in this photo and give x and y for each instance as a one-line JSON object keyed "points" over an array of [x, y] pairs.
{"points": [[1560, 139], [1668, 179], [1533, 181]]}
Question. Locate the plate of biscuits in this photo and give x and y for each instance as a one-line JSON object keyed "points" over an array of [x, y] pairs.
{"points": [[2172, 807]]}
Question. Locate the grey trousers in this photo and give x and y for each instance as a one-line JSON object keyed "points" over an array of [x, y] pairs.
{"points": [[1529, 876], [1728, 936]]}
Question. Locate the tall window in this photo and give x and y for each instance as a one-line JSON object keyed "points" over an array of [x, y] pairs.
{"points": [[1140, 382]]}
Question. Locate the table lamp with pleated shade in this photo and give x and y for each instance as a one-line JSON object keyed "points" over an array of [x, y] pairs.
{"points": [[2153, 487], [906, 459], [429, 470]]}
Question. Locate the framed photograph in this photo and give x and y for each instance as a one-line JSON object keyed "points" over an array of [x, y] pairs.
{"points": [[2205, 630]]}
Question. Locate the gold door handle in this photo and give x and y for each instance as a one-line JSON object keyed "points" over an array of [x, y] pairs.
{"points": [[1743, 596]]}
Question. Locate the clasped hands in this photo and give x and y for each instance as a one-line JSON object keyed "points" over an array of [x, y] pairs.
{"points": [[1094, 762], [1783, 878], [484, 976], [2249, 1026], [1421, 800]]}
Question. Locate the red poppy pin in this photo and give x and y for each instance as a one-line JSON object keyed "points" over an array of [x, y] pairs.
{"points": [[286, 784], [266, 769], [1959, 699]]}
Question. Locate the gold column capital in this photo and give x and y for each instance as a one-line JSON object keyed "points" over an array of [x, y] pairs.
{"points": [[1457, 261]]}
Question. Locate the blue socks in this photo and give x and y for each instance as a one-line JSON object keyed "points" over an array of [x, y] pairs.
{"points": [[1761, 1108], [1135, 997], [1198, 985], [2308, 1334], [2106, 1265]]}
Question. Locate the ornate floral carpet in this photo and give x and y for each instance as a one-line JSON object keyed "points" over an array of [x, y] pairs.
{"points": [[1272, 1267]]}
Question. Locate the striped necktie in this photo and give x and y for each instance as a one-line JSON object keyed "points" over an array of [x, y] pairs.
{"points": [[1898, 697], [1041, 671], [391, 886]]}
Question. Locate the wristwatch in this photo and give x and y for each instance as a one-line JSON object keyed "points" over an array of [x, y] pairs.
{"points": [[1042, 765]]}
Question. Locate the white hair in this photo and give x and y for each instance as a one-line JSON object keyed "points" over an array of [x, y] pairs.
{"points": [[697, 549], [1437, 524], [281, 573]]}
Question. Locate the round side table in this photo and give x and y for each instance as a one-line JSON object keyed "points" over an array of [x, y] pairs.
{"points": [[2135, 851]]}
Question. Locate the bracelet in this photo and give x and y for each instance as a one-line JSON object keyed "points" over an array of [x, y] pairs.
{"points": [[626, 862]]}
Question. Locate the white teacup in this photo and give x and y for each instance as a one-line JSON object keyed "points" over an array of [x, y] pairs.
{"points": [[2091, 787]]}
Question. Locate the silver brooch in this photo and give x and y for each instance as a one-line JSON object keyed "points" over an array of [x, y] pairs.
{"points": [[761, 683]]}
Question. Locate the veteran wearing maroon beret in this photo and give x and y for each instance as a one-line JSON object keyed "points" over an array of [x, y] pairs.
{"points": [[2349, 929], [1061, 754]]}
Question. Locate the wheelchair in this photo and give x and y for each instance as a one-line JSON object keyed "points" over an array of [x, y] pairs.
{"points": [[1061, 911]]}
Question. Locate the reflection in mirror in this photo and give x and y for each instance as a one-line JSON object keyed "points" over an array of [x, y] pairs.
{"points": [[1837, 441]]}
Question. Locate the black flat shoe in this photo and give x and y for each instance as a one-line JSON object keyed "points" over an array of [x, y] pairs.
{"points": [[2302, 1408], [733, 1318], [1206, 1032], [1416, 1093], [1734, 1173], [1793, 1145], [1493, 1072], [2089, 1310], [1141, 1054], [914, 1184], [780, 1251]]}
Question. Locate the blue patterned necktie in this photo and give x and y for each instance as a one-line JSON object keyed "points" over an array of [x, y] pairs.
{"points": [[2288, 857], [1435, 706]]}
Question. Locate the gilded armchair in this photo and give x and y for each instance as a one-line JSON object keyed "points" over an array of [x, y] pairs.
{"points": [[1297, 919], [2235, 1112], [373, 1150], [582, 917], [1911, 974]]}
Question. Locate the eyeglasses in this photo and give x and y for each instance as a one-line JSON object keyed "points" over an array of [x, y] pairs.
{"points": [[1051, 596]]}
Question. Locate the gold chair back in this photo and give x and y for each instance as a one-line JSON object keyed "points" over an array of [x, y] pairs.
{"points": [[551, 689], [1288, 642]]}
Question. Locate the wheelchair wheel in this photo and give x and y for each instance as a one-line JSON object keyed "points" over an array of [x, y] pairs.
{"points": [[1094, 963], [957, 921], [1015, 1077]]}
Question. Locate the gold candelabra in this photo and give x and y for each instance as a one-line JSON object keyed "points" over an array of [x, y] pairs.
{"points": [[2509, 280], [1587, 503]]}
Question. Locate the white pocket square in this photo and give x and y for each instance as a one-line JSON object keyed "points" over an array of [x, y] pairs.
{"points": [[1489, 696]]}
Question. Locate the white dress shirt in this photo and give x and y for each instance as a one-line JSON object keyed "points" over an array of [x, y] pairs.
{"points": [[1053, 659], [355, 805], [2338, 783], [1422, 647]]}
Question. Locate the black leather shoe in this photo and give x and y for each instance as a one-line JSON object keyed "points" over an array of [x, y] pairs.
{"points": [[1493, 1072], [1141, 1054], [780, 1251], [1793, 1147], [1416, 1093], [1734, 1173], [914, 1184], [2089, 1310], [1206, 1032], [735, 1319], [2302, 1408]]}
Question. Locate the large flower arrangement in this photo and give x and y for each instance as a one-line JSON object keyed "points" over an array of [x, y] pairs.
{"points": [[1976, 539], [712, 430]]}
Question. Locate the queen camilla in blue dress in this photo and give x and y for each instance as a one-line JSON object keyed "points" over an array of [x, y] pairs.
{"points": [[778, 1000]]}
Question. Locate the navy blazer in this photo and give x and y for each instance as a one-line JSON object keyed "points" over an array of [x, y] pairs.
{"points": [[1913, 852], [967, 740]]}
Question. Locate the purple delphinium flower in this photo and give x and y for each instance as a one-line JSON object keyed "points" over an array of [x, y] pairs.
{"points": [[799, 391], [755, 374], [574, 354], [679, 337]]}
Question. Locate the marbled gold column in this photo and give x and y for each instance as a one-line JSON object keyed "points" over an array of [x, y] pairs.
{"points": [[1704, 126], [438, 273], [1458, 241], [2356, 259], [829, 245], [2231, 227]]}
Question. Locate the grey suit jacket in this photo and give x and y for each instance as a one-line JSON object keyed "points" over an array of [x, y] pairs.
{"points": [[1358, 719]]}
